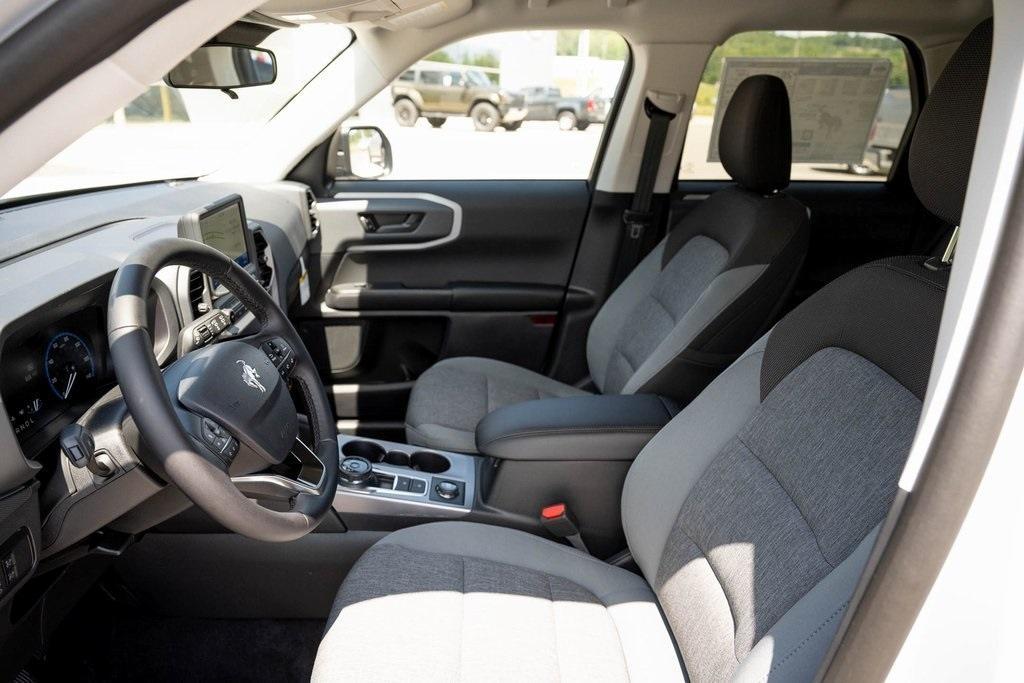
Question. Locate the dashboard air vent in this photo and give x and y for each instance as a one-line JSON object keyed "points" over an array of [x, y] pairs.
{"points": [[314, 212], [195, 293], [264, 268]]}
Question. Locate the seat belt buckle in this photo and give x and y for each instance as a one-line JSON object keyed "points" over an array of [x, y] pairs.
{"points": [[561, 523]]}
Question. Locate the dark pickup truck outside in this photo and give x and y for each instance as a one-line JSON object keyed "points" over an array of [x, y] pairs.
{"points": [[546, 103]]}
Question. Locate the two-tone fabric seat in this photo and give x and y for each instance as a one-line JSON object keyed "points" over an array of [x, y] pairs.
{"points": [[690, 307], [751, 514]]}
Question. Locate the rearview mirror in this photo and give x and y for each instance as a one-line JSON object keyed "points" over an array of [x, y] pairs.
{"points": [[365, 152], [223, 66]]}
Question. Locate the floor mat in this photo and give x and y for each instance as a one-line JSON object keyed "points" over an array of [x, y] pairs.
{"points": [[133, 648]]}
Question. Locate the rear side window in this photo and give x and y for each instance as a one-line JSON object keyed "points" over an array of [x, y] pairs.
{"points": [[849, 99], [409, 75]]}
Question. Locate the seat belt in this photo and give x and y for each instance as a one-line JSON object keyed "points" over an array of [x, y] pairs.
{"points": [[638, 218]]}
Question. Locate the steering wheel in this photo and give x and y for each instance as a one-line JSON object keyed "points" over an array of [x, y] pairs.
{"points": [[222, 399]]}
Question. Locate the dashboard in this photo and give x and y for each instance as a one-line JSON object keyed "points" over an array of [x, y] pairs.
{"points": [[58, 260]]}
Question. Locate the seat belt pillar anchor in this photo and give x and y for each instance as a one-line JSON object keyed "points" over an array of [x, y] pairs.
{"points": [[637, 222]]}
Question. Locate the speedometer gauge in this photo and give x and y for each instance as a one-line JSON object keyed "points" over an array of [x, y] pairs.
{"points": [[68, 364]]}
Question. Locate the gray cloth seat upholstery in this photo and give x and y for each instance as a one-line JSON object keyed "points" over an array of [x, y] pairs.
{"points": [[689, 308], [750, 515], [427, 603]]}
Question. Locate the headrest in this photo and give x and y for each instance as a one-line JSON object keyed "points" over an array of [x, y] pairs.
{"points": [[755, 136], [943, 142]]}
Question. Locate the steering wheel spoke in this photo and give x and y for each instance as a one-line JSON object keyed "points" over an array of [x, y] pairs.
{"points": [[273, 486], [278, 485]]}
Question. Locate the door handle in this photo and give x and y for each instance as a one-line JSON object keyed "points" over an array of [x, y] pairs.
{"points": [[389, 222]]}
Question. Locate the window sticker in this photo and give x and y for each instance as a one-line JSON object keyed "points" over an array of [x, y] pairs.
{"points": [[833, 103]]}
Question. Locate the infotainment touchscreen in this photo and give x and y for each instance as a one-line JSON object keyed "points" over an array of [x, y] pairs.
{"points": [[224, 230], [222, 225]]}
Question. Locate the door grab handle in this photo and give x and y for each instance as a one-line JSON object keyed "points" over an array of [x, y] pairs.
{"points": [[372, 224]]}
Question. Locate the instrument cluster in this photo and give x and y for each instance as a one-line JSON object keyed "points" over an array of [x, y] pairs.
{"points": [[54, 372], [55, 365]]}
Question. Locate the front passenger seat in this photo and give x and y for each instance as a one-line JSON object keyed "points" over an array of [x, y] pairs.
{"points": [[751, 514], [707, 291]]}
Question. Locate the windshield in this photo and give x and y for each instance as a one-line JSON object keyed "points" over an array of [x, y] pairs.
{"points": [[170, 133]]}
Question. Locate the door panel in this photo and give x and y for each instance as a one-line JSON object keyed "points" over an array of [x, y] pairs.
{"points": [[447, 268]]}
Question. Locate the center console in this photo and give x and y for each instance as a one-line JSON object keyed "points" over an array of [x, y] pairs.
{"points": [[382, 479], [573, 451]]}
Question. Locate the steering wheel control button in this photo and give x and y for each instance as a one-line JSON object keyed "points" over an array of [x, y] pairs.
{"points": [[356, 471], [219, 440], [10, 565], [280, 354]]}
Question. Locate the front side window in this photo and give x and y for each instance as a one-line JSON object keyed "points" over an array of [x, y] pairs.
{"points": [[849, 101], [522, 105]]}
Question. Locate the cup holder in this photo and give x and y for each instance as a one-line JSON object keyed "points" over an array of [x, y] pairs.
{"points": [[421, 461], [373, 452], [397, 458], [430, 462]]}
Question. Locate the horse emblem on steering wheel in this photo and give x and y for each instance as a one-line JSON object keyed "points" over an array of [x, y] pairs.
{"points": [[251, 377]]}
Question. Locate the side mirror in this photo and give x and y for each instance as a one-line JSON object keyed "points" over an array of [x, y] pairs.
{"points": [[223, 66], [364, 152]]}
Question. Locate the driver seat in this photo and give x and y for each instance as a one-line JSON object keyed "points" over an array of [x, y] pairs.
{"points": [[751, 514]]}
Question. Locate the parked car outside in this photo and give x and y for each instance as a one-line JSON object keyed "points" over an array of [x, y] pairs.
{"points": [[437, 91], [546, 103]]}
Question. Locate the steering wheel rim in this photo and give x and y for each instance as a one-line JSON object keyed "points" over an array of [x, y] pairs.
{"points": [[157, 416]]}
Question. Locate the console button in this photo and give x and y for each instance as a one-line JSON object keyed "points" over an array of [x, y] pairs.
{"points": [[447, 490], [356, 471], [418, 486], [402, 484]]}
